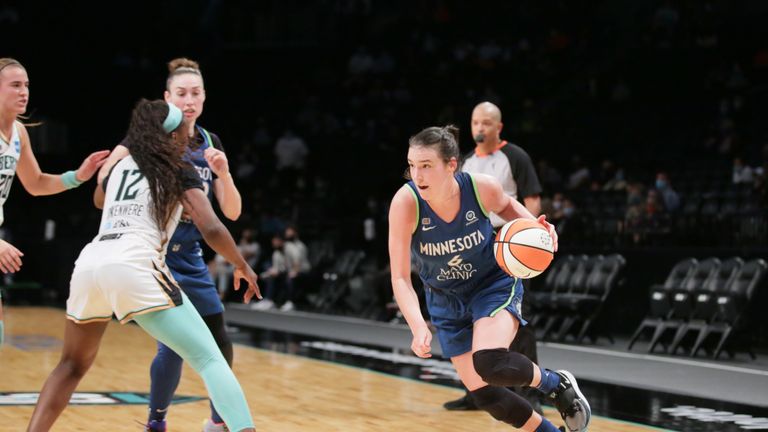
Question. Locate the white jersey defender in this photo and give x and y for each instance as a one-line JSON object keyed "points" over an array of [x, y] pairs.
{"points": [[122, 270]]}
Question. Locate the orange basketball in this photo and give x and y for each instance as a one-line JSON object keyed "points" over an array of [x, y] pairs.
{"points": [[523, 248]]}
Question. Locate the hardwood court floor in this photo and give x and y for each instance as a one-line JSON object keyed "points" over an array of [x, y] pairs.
{"points": [[285, 392]]}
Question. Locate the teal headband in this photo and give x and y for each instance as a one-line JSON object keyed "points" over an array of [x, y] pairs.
{"points": [[173, 120]]}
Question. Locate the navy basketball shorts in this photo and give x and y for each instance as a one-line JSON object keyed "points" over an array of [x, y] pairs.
{"points": [[453, 313], [191, 273]]}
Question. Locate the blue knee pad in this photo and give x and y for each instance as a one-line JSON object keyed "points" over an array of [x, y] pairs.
{"points": [[500, 367], [503, 405]]}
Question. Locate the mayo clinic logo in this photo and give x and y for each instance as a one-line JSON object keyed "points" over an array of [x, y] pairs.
{"points": [[470, 217], [457, 269]]}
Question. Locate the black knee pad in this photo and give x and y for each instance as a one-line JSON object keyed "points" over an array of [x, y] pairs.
{"points": [[503, 405], [500, 367]]}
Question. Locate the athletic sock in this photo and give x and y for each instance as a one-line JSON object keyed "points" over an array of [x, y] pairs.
{"points": [[549, 380], [546, 426]]}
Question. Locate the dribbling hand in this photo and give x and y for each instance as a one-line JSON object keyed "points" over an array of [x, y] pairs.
{"points": [[250, 277], [91, 164], [551, 228], [10, 257], [422, 342]]}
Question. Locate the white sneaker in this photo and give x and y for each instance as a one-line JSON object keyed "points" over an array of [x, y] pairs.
{"points": [[210, 426], [263, 305], [287, 306]]}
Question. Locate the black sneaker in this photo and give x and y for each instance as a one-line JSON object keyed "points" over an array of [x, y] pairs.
{"points": [[464, 403], [571, 403]]}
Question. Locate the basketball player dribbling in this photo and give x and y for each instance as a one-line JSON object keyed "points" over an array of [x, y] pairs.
{"points": [[122, 271], [16, 157], [441, 216], [185, 90]]}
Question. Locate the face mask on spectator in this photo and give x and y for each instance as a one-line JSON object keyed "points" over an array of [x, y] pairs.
{"points": [[661, 184]]}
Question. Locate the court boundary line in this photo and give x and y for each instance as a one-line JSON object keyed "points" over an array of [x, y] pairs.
{"points": [[686, 362]]}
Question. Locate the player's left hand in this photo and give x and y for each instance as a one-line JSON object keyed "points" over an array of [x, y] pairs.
{"points": [[551, 228], [217, 160], [91, 164]]}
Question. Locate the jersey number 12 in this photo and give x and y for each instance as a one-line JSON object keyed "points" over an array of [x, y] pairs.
{"points": [[128, 192]]}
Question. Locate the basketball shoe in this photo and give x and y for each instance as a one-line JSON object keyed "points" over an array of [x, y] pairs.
{"points": [[571, 403], [155, 426], [210, 426]]}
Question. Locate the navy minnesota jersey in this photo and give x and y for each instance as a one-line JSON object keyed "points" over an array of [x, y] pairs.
{"points": [[187, 231], [456, 255]]}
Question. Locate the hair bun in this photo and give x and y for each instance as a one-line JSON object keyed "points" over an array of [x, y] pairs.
{"points": [[182, 62]]}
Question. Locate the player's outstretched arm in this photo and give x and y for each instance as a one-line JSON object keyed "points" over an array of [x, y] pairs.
{"points": [[36, 182], [197, 205]]}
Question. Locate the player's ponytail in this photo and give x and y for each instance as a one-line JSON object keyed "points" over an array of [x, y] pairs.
{"points": [[158, 157]]}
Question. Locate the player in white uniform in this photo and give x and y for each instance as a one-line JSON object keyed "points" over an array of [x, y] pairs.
{"points": [[16, 157], [123, 271]]}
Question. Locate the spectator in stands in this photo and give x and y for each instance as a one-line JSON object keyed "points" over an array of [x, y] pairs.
{"points": [[670, 198], [275, 278], [271, 224], [580, 176], [556, 214], [291, 153], [617, 182], [297, 258], [633, 217], [250, 250], [742, 173]]}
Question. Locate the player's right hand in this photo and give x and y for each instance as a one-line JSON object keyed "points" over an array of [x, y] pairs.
{"points": [[422, 342], [248, 274], [10, 257]]}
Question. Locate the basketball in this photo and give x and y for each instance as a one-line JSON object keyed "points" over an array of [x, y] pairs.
{"points": [[523, 248]]}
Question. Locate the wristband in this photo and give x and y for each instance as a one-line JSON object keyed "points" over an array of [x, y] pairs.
{"points": [[69, 179]]}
